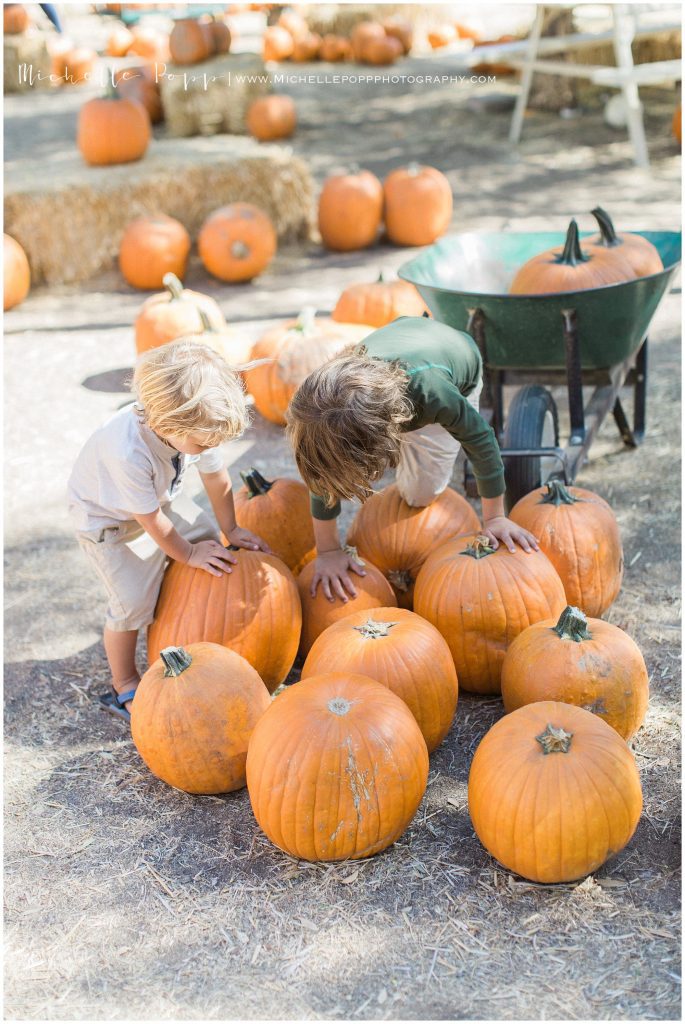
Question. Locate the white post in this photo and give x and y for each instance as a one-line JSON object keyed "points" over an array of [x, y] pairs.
{"points": [[624, 32], [527, 76]]}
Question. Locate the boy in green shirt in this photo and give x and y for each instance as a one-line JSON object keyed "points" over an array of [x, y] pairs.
{"points": [[407, 398]]}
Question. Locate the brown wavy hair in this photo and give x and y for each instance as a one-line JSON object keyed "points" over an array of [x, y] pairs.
{"points": [[344, 423]]}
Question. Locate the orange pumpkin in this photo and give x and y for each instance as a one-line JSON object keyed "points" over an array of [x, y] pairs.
{"points": [[481, 599], [307, 48], [193, 714], [254, 610], [403, 652], [402, 30], [231, 343], [636, 251], [113, 130], [466, 31], [398, 538], [271, 117], [217, 32], [553, 792], [278, 511], [277, 44], [318, 613], [677, 125], [569, 269], [237, 242], [294, 24], [140, 83], [578, 532], [74, 66], [336, 768], [174, 313], [119, 41], [350, 210], [152, 247], [378, 303], [190, 42], [149, 44], [16, 273], [581, 661], [335, 49], [418, 205], [362, 34], [385, 50], [15, 19], [442, 35]]}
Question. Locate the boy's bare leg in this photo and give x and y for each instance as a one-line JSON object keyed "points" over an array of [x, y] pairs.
{"points": [[120, 647]]}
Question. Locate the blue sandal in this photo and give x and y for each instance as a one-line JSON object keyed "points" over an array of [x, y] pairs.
{"points": [[114, 703]]}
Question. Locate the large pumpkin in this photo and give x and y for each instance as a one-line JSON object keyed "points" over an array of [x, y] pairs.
{"points": [[190, 42], [113, 130], [569, 269], [578, 532], [193, 715], [151, 248], [403, 652], [336, 768], [318, 613], [278, 510], [418, 205], [635, 250], [218, 33], [481, 599], [581, 661], [398, 538], [350, 210], [553, 792], [271, 117], [378, 303], [173, 314], [16, 273], [237, 242], [254, 610], [140, 83], [295, 349]]}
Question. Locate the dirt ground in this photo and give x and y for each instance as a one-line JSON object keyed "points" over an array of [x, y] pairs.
{"points": [[126, 899]]}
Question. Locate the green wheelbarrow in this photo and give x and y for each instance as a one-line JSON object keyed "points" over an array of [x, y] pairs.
{"points": [[595, 338]]}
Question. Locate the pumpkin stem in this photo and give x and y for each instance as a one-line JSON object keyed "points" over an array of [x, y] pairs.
{"points": [[606, 226], [207, 327], [555, 740], [350, 550], [572, 625], [372, 629], [479, 548], [572, 254], [176, 660], [306, 320], [173, 285], [558, 495], [339, 706], [413, 168], [401, 579], [255, 482]]}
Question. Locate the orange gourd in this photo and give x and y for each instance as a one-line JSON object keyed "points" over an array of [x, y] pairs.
{"points": [[336, 768], [418, 205], [581, 661], [237, 242], [190, 42], [113, 130], [335, 49], [277, 44], [254, 610], [193, 714], [152, 247], [271, 117], [16, 273], [403, 652], [217, 33], [307, 48], [140, 83], [553, 792], [480, 599], [350, 210], [569, 269], [118, 41], [578, 532], [174, 313], [378, 303], [636, 251], [398, 538], [363, 33], [278, 511]]}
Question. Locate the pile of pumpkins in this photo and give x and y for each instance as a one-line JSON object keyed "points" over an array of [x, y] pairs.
{"points": [[336, 764], [370, 42]]}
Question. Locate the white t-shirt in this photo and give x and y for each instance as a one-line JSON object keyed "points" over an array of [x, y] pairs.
{"points": [[124, 469]]}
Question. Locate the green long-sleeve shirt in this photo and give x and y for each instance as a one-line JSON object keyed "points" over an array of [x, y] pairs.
{"points": [[443, 366]]}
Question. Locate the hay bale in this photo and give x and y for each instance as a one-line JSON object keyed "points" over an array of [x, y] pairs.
{"points": [[340, 19], [27, 63], [70, 226], [212, 97]]}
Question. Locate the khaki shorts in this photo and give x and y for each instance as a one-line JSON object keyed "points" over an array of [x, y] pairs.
{"points": [[131, 566], [427, 458]]}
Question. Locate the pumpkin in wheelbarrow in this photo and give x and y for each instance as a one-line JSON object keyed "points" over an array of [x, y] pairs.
{"points": [[633, 249], [570, 268]]}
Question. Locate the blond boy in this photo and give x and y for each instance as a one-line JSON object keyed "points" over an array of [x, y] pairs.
{"points": [[125, 492]]}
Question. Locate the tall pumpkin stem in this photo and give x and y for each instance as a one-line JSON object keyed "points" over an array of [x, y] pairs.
{"points": [[555, 740], [557, 494], [606, 227], [572, 625], [479, 548], [173, 285], [372, 629], [255, 482], [305, 322], [176, 660], [572, 254], [207, 327]]}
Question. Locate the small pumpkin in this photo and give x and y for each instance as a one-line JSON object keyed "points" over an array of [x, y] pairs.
{"points": [[75, 66], [582, 661], [217, 32], [402, 30], [149, 45], [271, 117], [418, 205], [318, 613], [466, 30], [481, 598], [553, 792], [15, 19], [140, 83], [254, 610], [398, 538], [635, 250], [578, 532], [382, 51], [569, 269], [16, 273], [677, 125], [277, 44], [335, 49], [113, 130], [174, 313], [231, 343], [362, 34], [152, 247], [350, 210], [378, 303], [442, 35], [278, 510], [294, 24], [237, 242], [403, 652], [193, 714], [189, 42], [118, 41], [307, 48]]}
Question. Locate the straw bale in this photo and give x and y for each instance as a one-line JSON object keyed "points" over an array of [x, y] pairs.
{"points": [[31, 49], [340, 19], [212, 97], [70, 227]]}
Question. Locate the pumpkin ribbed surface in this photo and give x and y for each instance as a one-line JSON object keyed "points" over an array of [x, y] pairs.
{"points": [[350, 211], [152, 247], [638, 252], [336, 768], [403, 652], [173, 314], [279, 512], [480, 599], [193, 715], [271, 117], [237, 242], [555, 816], [254, 610], [418, 205], [113, 131], [378, 303], [570, 268]]}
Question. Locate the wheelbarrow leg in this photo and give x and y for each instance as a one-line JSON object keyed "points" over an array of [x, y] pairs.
{"points": [[633, 436], [497, 402], [574, 377]]}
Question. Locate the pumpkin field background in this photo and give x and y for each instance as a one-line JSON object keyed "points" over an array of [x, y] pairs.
{"points": [[128, 899]]}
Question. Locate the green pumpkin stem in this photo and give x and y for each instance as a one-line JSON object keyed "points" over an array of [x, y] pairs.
{"points": [[255, 482], [176, 660], [606, 227], [207, 326], [306, 320], [479, 548], [572, 254], [572, 625], [555, 740], [558, 495], [173, 285]]}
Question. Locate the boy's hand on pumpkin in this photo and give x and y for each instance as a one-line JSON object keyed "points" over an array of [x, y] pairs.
{"points": [[241, 538], [331, 570], [499, 528], [211, 556]]}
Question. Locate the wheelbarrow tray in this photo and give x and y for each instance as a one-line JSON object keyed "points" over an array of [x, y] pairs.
{"points": [[467, 272]]}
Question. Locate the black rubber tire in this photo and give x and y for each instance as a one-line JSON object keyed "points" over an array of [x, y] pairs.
{"points": [[524, 428]]}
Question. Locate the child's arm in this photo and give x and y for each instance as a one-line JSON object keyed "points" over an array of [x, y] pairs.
{"points": [[206, 554], [333, 563], [220, 494]]}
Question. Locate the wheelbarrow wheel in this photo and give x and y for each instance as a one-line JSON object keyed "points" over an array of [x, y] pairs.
{"points": [[532, 422]]}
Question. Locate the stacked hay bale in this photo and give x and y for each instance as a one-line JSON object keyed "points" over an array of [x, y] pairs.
{"points": [[27, 63], [212, 97]]}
